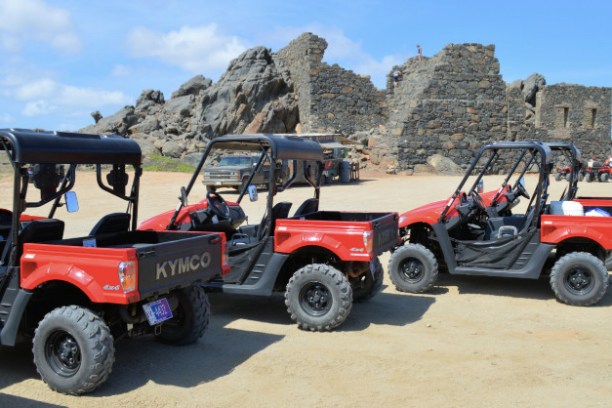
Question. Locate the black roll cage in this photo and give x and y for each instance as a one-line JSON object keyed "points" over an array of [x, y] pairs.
{"points": [[536, 149], [27, 148], [272, 148]]}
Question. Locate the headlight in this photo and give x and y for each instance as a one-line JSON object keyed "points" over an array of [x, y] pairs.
{"points": [[127, 276]]}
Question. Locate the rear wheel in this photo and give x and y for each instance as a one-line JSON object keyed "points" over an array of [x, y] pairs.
{"points": [[558, 176], [318, 297], [579, 279], [413, 268], [190, 317], [604, 177], [73, 350], [366, 286], [589, 177]]}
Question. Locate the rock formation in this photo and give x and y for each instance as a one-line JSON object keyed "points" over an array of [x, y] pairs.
{"points": [[445, 107]]}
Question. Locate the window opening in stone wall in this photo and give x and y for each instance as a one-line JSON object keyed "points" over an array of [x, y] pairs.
{"points": [[589, 117], [562, 116]]}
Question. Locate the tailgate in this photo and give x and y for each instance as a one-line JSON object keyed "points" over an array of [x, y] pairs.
{"points": [[182, 260], [385, 232]]}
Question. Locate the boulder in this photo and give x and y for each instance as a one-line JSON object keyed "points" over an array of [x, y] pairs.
{"points": [[193, 87], [531, 86], [443, 165]]}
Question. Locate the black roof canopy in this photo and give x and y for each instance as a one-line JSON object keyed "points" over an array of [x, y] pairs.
{"points": [[29, 146], [283, 147]]}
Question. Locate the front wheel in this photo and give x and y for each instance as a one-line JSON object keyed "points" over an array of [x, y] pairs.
{"points": [[318, 297], [190, 317], [604, 177], [73, 350], [579, 279], [558, 176], [413, 268]]}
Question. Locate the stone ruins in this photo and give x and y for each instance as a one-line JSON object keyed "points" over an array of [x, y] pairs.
{"points": [[440, 110]]}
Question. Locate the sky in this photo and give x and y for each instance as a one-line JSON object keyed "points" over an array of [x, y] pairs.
{"points": [[60, 60]]}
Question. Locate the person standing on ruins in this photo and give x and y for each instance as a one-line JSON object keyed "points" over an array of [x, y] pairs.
{"points": [[397, 76], [420, 52]]}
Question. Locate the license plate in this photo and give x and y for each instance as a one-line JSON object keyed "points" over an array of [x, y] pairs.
{"points": [[157, 311]]}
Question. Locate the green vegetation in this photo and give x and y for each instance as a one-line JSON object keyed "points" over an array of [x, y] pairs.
{"points": [[156, 162]]}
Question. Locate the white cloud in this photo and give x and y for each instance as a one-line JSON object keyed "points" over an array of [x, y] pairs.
{"points": [[195, 49], [38, 108], [36, 89], [46, 96], [25, 20]]}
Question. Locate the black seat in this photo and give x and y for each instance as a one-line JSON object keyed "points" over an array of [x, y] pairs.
{"points": [[37, 231], [280, 210], [44, 230], [308, 206], [113, 222]]}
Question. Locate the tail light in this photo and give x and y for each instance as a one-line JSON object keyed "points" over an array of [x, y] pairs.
{"points": [[368, 241], [127, 276]]}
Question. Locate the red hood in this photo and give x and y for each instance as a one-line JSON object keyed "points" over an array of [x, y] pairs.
{"points": [[430, 213], [160, 221]]}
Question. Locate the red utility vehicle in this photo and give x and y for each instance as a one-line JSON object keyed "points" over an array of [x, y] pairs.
{"points": [[597, 171], [473, 235], [73, 296], [320, 260]]}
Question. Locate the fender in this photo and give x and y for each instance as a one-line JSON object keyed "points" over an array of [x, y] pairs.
{"points": [[558, 228], [37, 275], [285, 242]]}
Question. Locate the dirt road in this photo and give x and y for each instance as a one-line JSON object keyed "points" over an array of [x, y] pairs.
{"points": [[470, 342]]}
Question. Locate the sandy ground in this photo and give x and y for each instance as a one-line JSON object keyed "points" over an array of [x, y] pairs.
{"points": [[470, 342]]}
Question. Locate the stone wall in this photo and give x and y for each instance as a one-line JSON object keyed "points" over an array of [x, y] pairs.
{"points": [[450, 104], [577, 113], [445, 106], [331, 98]]}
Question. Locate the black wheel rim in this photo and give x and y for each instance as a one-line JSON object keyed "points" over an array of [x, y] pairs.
{"points": [[579, 281], [315, 299], [63, 353], [411, 270]]}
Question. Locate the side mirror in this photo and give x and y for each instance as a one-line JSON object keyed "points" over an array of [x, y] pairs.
{"points": [[480, 186], [72, 203], [252, 193], [521, 181]]}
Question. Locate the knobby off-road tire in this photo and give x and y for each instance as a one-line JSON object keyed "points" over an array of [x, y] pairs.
{"points": [[579, 279], [413, 268], [369, 284], [73, 350], [190, 319], [558, 176], [604, 177], [318, 297]]}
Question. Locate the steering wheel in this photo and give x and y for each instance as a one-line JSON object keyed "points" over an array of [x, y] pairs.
{"points": [[217, 205], [478, 201], [520, 190]]}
